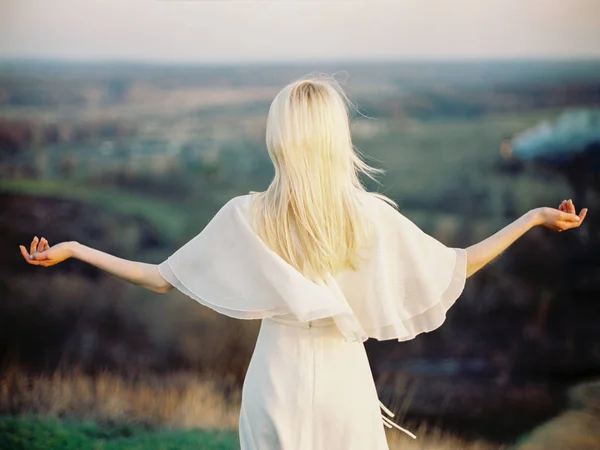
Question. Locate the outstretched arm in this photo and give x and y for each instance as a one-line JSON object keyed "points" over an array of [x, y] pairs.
{"points": [[560, 219], [139, 273]]}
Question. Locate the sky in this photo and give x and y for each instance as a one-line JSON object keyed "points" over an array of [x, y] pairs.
{"points": [[233, 31]]}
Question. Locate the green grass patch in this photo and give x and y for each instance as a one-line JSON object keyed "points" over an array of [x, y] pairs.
{"points": [[168, 219], [40, 433]]}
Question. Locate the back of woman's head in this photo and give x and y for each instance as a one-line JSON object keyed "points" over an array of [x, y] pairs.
{"points": [[310, 214]]}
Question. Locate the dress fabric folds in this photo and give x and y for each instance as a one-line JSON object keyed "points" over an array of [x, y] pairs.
{"points": [[309, 385]]}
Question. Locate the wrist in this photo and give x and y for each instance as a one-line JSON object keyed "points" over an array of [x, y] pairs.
{"points": [[74, 249], [535, 217]]}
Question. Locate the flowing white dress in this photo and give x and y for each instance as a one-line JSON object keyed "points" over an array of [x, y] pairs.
{"points": [[309, 385]]}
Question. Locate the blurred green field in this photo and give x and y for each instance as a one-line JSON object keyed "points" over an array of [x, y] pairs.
{"points": [[453, 165], [167, 218], [438, 170]]}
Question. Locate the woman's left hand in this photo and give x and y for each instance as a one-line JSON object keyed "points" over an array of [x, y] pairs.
{"points": [[563, 218]]}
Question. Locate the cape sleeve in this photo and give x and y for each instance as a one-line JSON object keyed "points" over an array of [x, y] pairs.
{"points": [[228, 268], [409, 279], [404, 286]]}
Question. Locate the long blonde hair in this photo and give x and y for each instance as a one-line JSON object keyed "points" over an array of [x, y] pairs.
{"points": [[310, 213]]}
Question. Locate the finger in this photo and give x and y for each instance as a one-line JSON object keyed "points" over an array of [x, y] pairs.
{"points": [[43, 245], [27, 257], [24, 252], [571, 206], [562, 206], [582, 215], [563, 226], [40, 256], [568, 217], [565, 206], [33, 246]]}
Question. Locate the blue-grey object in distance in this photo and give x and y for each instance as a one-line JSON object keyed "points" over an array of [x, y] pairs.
{"points": [[573, 133]]}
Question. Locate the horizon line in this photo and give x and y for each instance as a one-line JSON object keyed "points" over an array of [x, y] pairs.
{"points": [[300, 61]]}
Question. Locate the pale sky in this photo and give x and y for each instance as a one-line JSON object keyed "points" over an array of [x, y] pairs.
{"points": [[214, 31]]}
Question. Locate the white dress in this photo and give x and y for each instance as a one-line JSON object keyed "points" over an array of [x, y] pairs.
{"points": [[309, 385]]}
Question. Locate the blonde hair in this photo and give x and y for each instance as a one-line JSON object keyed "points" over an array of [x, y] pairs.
{"points": [[310, 213]]}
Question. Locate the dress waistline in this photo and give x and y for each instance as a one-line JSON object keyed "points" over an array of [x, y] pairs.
{"points": [[327, 322]]}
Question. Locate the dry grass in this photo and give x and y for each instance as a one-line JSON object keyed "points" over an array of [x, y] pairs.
{"points": [[431, 438], [181, 400]]}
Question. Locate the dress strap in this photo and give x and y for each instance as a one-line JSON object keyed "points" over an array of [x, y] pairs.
{"points": [[389, 423]]}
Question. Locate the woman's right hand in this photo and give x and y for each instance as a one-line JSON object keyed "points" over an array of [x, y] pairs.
{"points": [[561, 219], [41, 254]]}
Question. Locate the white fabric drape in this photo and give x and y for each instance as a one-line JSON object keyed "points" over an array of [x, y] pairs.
{"points": [[405, 285]]}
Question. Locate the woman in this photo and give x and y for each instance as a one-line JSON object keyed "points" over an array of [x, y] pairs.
{"points": [[325, 265]]}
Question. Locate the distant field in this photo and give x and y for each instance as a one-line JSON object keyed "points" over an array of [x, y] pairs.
{"points": [[437, 170], [452, 165], [167, 218]]}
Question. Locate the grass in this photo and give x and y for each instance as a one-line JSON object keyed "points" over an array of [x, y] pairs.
{"points": [[179, 411], [181, 400], [168, 219], [46, 433]]}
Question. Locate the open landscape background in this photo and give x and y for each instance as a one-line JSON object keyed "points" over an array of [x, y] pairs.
{"points": [[134, 159]]}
